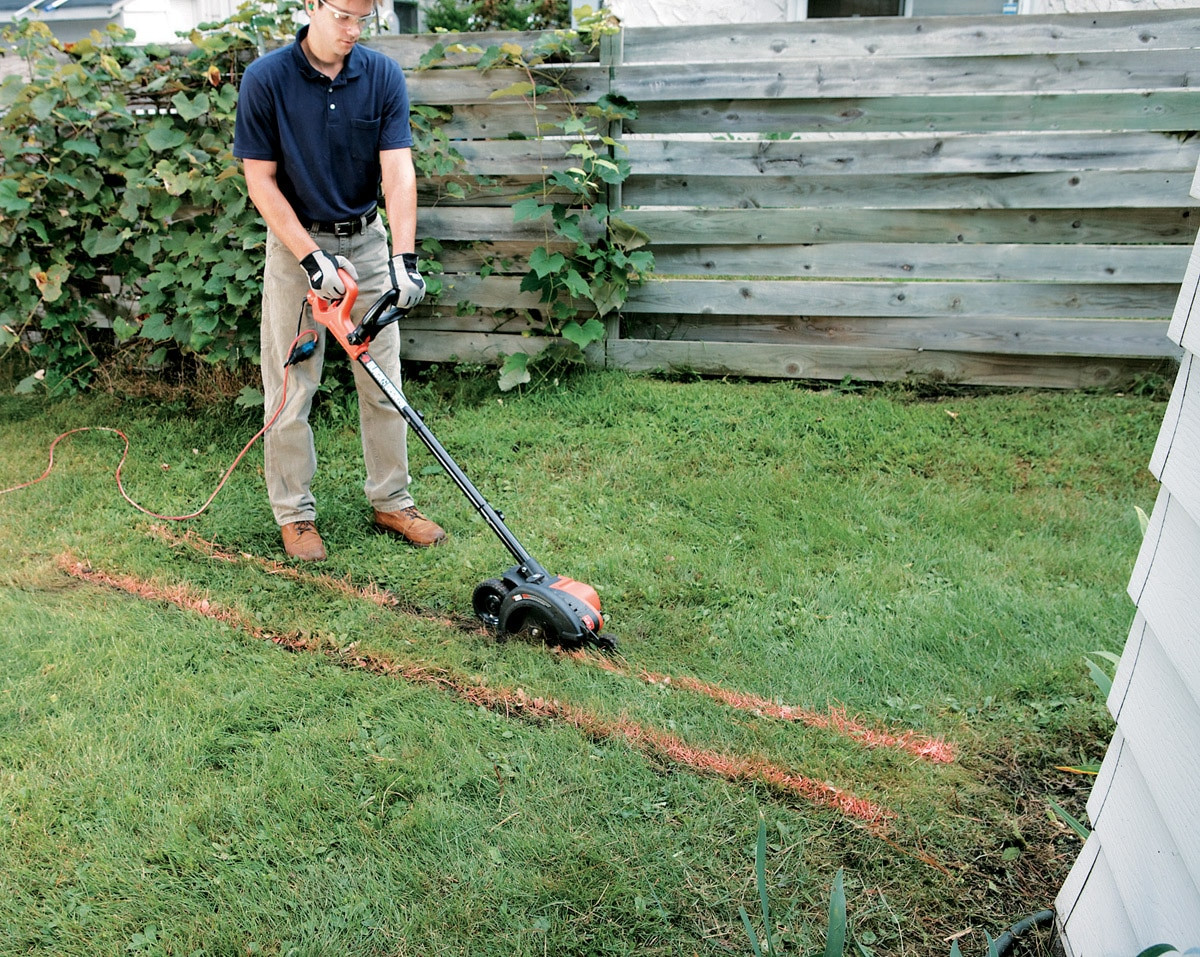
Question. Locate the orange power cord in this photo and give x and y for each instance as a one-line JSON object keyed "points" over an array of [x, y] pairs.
{"points": [[292, 358]]}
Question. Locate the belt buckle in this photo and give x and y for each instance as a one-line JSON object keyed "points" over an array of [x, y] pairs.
{"points": [[348, 228]]}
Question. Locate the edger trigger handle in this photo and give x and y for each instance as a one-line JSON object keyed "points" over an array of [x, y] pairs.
{"points": [[383, 313]]}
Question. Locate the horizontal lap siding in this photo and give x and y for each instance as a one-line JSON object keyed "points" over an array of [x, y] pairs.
{"points": [[1137, 882]]}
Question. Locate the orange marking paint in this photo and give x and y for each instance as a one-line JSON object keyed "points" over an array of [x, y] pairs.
{"points": [[514, 702]]}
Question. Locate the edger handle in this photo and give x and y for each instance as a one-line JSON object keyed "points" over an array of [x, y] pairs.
{"points": [[335, 316], [383, 313]]}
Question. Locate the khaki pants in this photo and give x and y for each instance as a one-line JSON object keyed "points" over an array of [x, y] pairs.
{"points": [[290, 458]]}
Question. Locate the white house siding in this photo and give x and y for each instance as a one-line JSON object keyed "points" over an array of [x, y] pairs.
{"points": [[671, 13], [1102, 6], [161, 21], [1137, 881], [667, 13]]}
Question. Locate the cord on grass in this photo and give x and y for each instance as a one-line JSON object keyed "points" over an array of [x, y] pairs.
{"points": [[125, 452]]}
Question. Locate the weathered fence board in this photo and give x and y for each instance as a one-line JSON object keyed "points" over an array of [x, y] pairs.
{"points": [[902, 36], [1011, 153], [909, 75], [999, 261], [1068, 189], [999, 336], [903, 299], [867, 364], [1167, 110], [1037, 226]]}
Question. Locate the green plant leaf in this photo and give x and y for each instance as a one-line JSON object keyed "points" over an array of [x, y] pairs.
{"points": [[607, 296], [514, 372], [162, 136], [43, 104], [190, 107], [10, 200], [1159, 949], [104, 242], [531, 208], [835, 940], [10, 90], [754, 945], [249, 398], [575, 284], [435, 54], [625, 235], [542, 263], [50, 281], [1070, 820], [583, 336], [1143, 519], [82, 147], [520, 88], [1100, 678], [30, 383]]}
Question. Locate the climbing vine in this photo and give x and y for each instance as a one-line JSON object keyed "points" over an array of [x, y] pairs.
{"points": [[120, 199], [605, 256], [125, 222]]}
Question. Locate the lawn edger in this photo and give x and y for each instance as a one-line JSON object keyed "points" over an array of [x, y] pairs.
{"points": [[526, 600]]}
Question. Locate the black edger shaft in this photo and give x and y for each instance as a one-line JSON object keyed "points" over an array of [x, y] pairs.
{"points": [[532, 571]]}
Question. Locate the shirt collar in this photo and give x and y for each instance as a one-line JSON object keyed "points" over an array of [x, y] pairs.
{"points": [[350, 69]]}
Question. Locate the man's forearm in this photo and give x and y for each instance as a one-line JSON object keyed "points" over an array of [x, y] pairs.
{"points": [[400, 199], [276, 211]]}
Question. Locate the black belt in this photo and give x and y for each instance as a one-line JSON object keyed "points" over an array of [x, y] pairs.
{"points": [[347, 227]]}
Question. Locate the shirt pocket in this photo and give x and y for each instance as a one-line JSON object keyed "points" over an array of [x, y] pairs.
{"points": [[364, 140]]}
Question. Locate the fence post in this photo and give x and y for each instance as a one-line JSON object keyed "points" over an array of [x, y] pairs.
{"points": [[612, 51]]}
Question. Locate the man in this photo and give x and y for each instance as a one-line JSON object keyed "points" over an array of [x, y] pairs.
{"points": [[321, 126]]}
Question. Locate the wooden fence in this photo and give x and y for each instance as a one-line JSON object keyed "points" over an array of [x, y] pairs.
{"points": [[985, 200]]}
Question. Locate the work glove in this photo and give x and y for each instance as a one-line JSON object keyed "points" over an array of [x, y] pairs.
{"points": [[323, 278], [407, 282]]}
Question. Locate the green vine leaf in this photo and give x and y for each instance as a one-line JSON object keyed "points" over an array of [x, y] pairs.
{"points": [[191, 108], [531, 208], [10, 199], [162, 136], [106, 241], [583, 336], [514, 372], [434, 55], [543, 263], [520, 88]]}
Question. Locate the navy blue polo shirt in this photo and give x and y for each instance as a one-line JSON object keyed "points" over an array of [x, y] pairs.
{"points": [[324, 134]]}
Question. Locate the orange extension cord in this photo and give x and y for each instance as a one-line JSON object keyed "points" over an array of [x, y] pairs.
{"points": [[121, 464]]}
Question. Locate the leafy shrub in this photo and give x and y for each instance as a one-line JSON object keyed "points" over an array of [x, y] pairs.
{"points": [[118, 186], [461, 16]]}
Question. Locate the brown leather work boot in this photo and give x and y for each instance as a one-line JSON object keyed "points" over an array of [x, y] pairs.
{"points": [[411, 525], [300, 540]]}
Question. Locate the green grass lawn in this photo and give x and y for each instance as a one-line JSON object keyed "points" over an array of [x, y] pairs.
{"points": [[221, 758]]}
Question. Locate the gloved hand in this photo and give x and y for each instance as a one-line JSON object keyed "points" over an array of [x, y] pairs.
{"points": [[406, 280], [323, 278]]}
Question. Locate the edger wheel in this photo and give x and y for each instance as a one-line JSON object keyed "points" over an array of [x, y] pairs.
{"points": [[605, 642], [487, 599]]}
